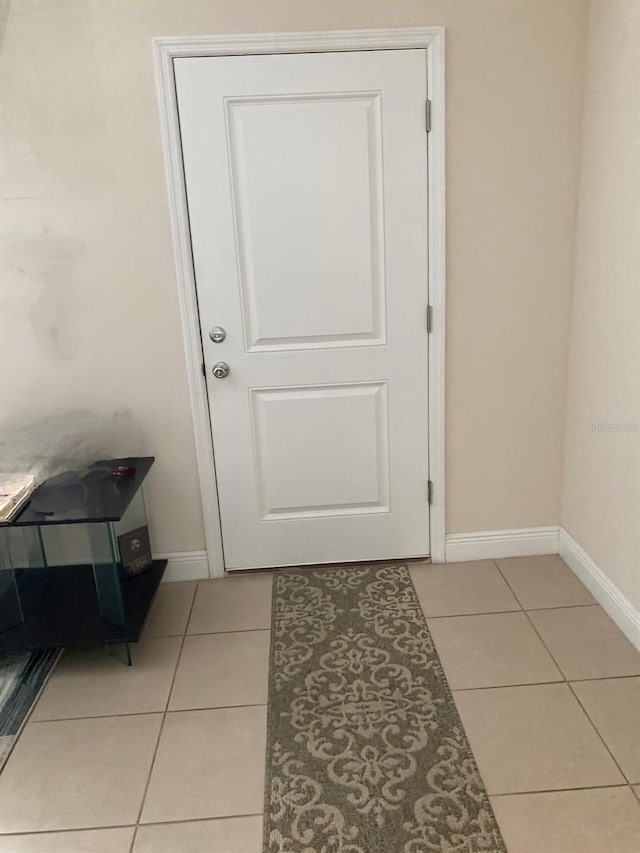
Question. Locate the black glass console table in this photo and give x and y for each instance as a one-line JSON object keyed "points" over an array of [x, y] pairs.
{"points": [[63, 578]]}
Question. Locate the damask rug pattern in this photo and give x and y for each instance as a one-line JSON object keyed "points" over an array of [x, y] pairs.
{"points": [[365, 752]]}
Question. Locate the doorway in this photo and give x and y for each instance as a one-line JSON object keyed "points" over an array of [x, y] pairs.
{"points": [[307, 182]]}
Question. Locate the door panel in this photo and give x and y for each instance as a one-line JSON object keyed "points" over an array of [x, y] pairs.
{"points": [[287, 148], [297, 483], [306, 180]]}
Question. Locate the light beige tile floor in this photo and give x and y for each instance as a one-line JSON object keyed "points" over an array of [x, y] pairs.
{"points": [[208, 764], [222, 670], [544, 740], [75, 774], [138, 760], [586, 643], [491, 650], [599, 820], [232, 604], [543, 583], [90, 683], [171, 610], [613, 706], [462, 588]]}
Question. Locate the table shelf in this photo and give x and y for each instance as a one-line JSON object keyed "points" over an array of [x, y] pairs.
{"points": [[60, 608]]}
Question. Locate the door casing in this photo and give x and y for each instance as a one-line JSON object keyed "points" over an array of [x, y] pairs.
{"points": [[166, 49]]}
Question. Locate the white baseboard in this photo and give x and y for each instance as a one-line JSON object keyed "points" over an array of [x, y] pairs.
{"points": [[486, 545], [185, 566], [492, 544], [606, 593]]}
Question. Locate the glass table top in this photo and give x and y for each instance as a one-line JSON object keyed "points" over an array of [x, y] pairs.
{"points": [[98, 492]]}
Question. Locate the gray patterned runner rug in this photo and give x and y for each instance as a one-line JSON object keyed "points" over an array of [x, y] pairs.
{"points": [[365, 752]]}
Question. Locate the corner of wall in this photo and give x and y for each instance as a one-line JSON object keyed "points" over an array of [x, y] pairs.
{"points": [[586, 39]]}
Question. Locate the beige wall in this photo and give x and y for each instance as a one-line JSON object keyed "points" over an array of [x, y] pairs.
{"points": [[601, 484], [88, 298], [4, 14]]}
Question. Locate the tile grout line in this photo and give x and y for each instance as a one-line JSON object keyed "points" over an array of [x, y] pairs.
{"points": [[47, 832], [506, 686], [538, 683], [566, 680], [150, 713], [199, 819], [597, 730], [559, 790], [558, 606], [521, 609], [217, 633], [160, 730], [475, 613], [602, 678], [101, 828]]}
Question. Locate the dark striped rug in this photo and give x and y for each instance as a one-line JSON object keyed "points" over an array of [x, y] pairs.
{"points": [[365, 749], [22, 675]]}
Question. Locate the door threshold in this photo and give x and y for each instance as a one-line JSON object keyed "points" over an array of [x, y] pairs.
{"points": [[272, 569]]}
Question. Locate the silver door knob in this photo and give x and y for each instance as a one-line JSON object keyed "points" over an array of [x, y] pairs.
{"points": [[221, 369], [217, 334]]}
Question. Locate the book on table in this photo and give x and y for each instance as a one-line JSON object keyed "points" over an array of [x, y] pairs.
{"points": [[15, 491]]}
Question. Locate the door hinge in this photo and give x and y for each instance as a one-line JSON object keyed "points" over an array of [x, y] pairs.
{"points": [[429, 319], [427, 116], [430, 491]]}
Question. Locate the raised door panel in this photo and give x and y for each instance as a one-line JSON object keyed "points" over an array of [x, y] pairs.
{"points": [[321, 450], [308, 211]]}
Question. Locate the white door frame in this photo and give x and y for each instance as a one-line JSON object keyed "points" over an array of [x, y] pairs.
{"points": [[165, 50]]}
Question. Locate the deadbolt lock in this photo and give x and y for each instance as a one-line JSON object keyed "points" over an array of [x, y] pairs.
{"points": [[217, 334]]}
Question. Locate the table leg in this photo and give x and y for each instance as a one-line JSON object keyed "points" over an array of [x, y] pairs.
{"points": [[122, 651], [106, 574]]}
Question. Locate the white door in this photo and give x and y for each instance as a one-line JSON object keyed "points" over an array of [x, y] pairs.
{"points": [[306, 181]]}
